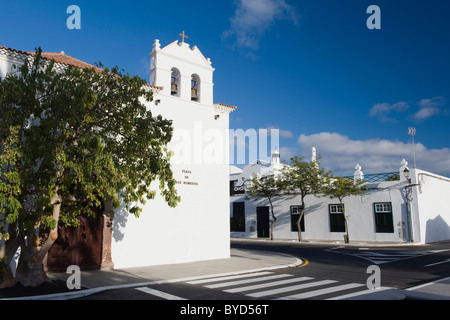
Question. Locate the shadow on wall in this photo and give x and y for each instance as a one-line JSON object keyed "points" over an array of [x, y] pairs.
{"points": [[120, 221], [437, 229]]}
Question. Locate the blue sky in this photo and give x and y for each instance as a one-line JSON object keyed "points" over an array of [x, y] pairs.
{"points": [[310, 68]]}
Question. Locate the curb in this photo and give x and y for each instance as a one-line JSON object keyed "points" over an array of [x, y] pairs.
{"points": [[86, 292], [332, 243], [412, 294]]}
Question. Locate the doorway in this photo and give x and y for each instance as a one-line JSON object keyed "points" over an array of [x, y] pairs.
{"points": [[262, 222], [79, 246]]}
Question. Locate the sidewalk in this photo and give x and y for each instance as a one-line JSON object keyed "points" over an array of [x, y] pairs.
{"points": [[436, 290], [331, 242], [94, 281], [241, 261]]}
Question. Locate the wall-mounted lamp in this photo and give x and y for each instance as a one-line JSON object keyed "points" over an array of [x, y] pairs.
{"points": [[157, 102], [407, 174], [217, 116]]}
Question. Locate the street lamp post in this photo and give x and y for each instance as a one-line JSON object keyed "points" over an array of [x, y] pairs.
{"points": [[409, 198]]}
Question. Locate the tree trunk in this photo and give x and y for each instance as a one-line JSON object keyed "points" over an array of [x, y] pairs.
{"points": [[7, 252], [272, 222], [6, 278], [30, 272], [346, 228], [271, 229], [30, 269], [346, 224], [299, 229]]}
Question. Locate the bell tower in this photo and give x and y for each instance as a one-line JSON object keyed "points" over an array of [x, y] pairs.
{"points": [[181, 79], [182, 72]]}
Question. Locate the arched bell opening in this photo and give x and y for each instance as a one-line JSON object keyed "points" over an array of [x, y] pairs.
{"points": [[195, 88], [175, 82]]}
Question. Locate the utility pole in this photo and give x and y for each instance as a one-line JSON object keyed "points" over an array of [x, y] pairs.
{"points": [[412, 132]]}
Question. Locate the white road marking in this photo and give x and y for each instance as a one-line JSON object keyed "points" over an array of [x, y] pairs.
{"points": [[238, 282], [267, 285], [320, 292], [240, 276], [160, 294], [290, 288], [433, 264], [358, 293]]}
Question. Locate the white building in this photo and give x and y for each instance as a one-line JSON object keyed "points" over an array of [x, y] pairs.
{"points": [[198, 228], [393, 209]]}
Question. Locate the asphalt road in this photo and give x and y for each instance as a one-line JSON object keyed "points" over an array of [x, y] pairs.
{"points": [[400, 267], [328, 272]]}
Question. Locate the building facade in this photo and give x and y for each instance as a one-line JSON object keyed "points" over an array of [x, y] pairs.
{"points": [[198, 228], [394, 209]]}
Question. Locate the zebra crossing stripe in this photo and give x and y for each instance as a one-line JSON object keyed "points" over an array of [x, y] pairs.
{"points": [[239, 282], [320, 292], [358, 293], [240, 276], [267, 285], [159, 294], [290, 288]]}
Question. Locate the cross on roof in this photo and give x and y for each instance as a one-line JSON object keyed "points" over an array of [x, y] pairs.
{"points": [[183, 36]]}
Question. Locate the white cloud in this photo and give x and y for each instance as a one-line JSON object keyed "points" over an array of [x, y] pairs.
{"points": [[428, 108], [253, 18], [287, 134], [387, 112], [340, 154], [383, 111], [425, 113], [286, 153], [431, 103]]}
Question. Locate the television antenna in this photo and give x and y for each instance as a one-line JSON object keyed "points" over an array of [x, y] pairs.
{"points": [[412, 133]]}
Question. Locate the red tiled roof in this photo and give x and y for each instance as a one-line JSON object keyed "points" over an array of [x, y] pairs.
{"points": [[13, 50], [225, 105], [61, 57]]}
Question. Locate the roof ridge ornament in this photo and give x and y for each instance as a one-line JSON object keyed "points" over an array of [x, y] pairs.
{"points": [[156, 45], [183, 36]]}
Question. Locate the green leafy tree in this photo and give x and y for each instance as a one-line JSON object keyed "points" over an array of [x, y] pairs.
{"points": [[304, 178], [340, 188], [70, 138], [10, 189], [268, 187]]}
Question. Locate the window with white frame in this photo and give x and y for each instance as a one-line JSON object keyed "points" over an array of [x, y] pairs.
{"points": [[295, 214], [383, 207], [337, 219], [383, 217]]}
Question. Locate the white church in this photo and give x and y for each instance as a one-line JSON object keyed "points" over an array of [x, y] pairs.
{"points": [[406, 206], [198, 228]]}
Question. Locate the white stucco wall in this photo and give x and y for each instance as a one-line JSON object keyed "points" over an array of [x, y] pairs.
{"points": [[359, 209], [433, 195], [428, 221], [198, 228], [9, 58], [361, 221]]}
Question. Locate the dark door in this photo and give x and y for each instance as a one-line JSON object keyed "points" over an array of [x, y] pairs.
{"points": [[238, 219], [262, 222], [79, 246]]}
